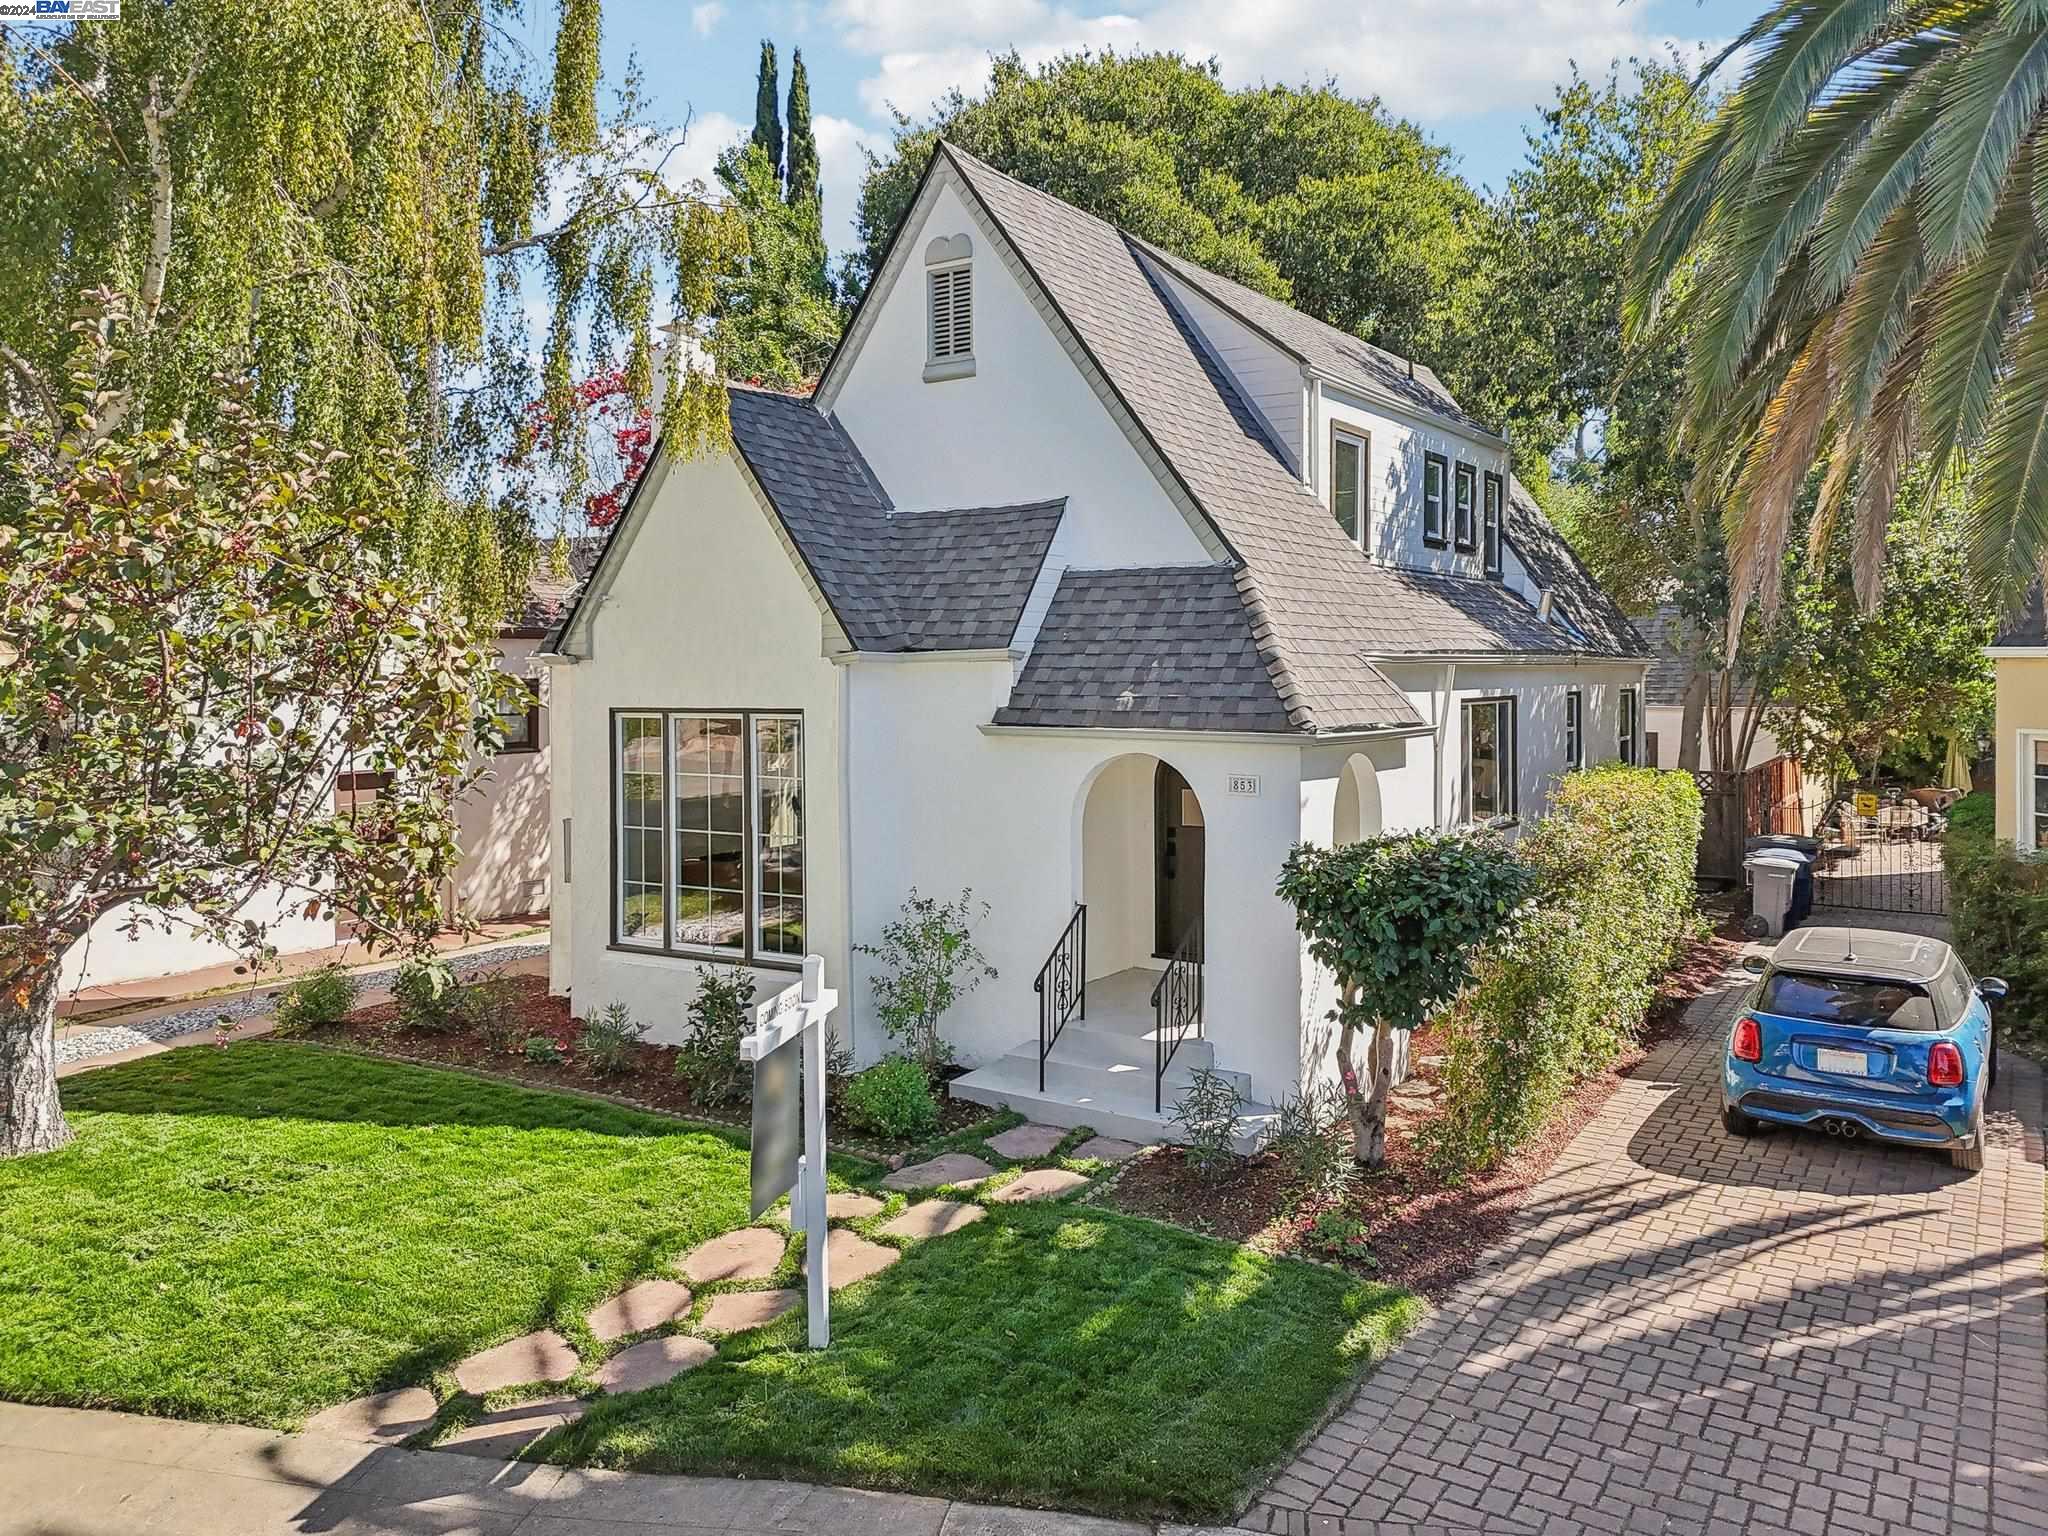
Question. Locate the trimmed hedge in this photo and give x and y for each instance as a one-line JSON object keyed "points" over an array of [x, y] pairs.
{"points": [[1998, 909], [1564, 994]]}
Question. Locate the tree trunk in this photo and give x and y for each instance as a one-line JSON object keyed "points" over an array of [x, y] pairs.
{"points": [[31, 1119], [1695, 715], [1368, 1111]]}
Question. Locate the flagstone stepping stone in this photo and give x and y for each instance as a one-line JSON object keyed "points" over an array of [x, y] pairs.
{"points": [[653, 1361], [639, 1308], [1107, 1149], [946, 1168], [847, 1207], [542, 1356], [751, 1253], [737, 1311], [1040, 1184], [852, 1257], [934, 1218], [383, 1418], [505, 1432], [1021, 1143]]}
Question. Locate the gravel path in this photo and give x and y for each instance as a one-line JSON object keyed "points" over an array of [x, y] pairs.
{"points": [[238, 1006]]}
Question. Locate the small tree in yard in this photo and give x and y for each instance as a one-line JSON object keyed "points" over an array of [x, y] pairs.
{"points": [[928, 962], [196, 638], [1399, 920]]}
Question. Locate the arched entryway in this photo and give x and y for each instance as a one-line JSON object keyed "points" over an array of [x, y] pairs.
{"points": [[1356, 815], [1143, 863]]}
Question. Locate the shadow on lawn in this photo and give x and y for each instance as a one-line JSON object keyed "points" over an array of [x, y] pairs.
{"points": [[1052, 1355]]}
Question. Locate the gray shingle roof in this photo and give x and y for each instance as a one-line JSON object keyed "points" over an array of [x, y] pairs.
{"points": [[954, 579], [549, 596], [2027, 624], [1552, 563], [1323, 347], [1165, 647]]}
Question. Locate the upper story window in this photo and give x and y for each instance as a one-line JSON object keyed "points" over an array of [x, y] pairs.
{"points": [[1628, 737], [1465, 492], [1436, 474], [949, 308], [1574, 729], [521, 722], [1490, 523], [1350, 475]]}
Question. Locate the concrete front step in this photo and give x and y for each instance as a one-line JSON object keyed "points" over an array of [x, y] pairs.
{"points": [[1083, 1045], [1114, 1101]]}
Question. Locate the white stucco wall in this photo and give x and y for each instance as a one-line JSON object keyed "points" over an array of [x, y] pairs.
{"points": [[1667, 723], [1399, 442], [167, 946], [503, 821], [704, 611]]}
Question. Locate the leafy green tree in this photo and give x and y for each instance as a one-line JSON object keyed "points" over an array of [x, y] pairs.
{"points": [[1853, 245], [197, 635], [346, 203], [801, 189], [767, 121], [1856, 684], [775, 319], [1400, 921], [1300, 193]]}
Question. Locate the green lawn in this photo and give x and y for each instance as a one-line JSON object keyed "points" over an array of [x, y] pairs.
{"points": [[1048, 1354], [255, 1233]]}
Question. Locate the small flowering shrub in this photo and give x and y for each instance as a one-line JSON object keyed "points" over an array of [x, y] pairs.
{"points": [[1207, 1113], [425, 992], [892, 1098], [1338, 1236], [709, 1061], [317, 998]]}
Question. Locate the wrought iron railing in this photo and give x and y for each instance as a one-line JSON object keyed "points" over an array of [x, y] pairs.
{"points": [[1176, 1008], [1062, 985]]}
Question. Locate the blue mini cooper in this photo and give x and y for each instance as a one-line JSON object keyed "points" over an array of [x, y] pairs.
{"points": [[1859, 1032]]}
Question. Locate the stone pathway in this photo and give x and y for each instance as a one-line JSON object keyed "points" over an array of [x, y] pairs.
{"points": [[1040, 1184], [542, 1356], [1692, 1333], [947, 1168], [751, 1253], [638, 1309]]}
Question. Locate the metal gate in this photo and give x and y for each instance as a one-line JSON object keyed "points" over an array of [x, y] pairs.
{"points": [[1880, 851]]}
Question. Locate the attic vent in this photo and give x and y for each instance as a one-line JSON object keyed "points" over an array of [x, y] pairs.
{"points": [[949, 290]]}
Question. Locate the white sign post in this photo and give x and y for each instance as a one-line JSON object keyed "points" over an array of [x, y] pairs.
{"points": [[800, 1012]]}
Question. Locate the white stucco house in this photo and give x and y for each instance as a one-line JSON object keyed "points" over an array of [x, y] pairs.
{"points": [[1091, 581]]}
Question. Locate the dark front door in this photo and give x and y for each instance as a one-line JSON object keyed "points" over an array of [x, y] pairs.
{"points": [[1178, 861]]}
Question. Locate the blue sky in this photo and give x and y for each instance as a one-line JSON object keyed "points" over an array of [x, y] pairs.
{"points": [[1473, 73]]}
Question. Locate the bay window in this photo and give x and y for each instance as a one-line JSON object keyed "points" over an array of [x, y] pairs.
{"points": [[707, 812]]}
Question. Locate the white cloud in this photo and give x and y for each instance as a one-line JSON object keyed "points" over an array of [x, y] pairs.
{"points": [[841, 167], [1446, 59], [710, 135], [704, 19]]}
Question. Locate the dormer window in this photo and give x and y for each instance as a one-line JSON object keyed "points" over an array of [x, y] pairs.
{"points": [[949, 308], [1465, 493], [1436, 474], [1350, 474], [1490, 523]]}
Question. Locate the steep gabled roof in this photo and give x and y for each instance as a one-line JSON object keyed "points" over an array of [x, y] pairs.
{"points": [[941, 580], [1553, 564], [1166, 648], [549, 596], [2027, 625], [1321, 346]]}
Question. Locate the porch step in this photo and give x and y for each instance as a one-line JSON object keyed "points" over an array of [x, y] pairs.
{"points": [[1117, 1048], [1114, 1099]]}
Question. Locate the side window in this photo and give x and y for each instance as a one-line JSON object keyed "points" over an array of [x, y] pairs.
{"points": [[1436, 474], [1350, 475], [1465, 492], [1574, 729], [1490, 524]]}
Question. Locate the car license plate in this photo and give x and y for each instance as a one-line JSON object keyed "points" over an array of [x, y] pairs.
{"points": [[1843, 1063]]}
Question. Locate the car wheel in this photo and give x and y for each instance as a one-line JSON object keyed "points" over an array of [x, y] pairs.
{"points": [[1971, 1158], [1737, 1123]]}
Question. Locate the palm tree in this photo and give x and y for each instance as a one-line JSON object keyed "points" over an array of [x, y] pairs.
{"points": [[1853, 246]]}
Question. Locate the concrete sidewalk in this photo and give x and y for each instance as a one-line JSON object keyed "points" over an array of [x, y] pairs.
{"points": [[69, 1472]]}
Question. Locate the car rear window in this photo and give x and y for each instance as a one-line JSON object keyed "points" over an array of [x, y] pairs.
{"points": [[1856, 1001]]}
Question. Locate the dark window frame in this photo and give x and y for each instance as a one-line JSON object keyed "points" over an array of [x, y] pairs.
{"points": [[1574, 729], [749, 954], [1492, 512], [1628, 726], [1465, 516], [1363, 538], [533, 741], [1439, 539], [1508, 744]]}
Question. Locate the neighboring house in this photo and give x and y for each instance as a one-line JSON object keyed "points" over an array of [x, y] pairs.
{"points": [[1085, 579], [2019, 658], [1664, 695], [503, 826]]}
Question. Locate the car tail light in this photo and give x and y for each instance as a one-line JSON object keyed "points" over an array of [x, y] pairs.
{"points": [[1747, 1043], [1944, 1065]]}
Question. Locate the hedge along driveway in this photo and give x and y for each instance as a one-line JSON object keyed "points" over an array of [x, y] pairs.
{"points": [[254, 1233], [1052, 1354]]}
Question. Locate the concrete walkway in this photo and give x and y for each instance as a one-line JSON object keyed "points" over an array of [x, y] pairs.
{"points": [[1693, 1333], [67, 1472]]}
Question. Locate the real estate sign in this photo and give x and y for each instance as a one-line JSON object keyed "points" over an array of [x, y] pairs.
{"points": [[787, 1048]]}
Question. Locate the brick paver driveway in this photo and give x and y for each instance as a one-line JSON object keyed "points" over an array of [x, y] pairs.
{"points": [[1689, 1332]]}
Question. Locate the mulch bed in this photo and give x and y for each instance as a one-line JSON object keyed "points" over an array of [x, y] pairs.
{"points": [[651, 1082], [1420, 1230]]}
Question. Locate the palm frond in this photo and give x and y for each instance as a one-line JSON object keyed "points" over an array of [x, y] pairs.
{"points": [[1874, 187], [2008, 505], [1780, 457], [1988, 103]]}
